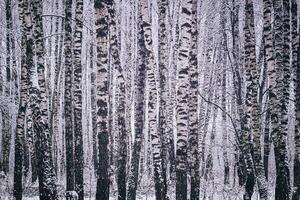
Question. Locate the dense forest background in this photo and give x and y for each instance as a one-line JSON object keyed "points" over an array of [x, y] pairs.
{"points": [[149, 99]]}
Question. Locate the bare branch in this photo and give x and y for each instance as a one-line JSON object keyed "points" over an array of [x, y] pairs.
{"points": [[219, 107]]}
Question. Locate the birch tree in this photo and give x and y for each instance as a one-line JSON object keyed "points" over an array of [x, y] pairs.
{"points": [[102, 96], [163, 64], [269, 59], [26, 62], [252, 105], [250, 66], [120, 93], [47, 179], [157, 141], [6, 113], [182, 108], [193, 138], [101, 99], [139, 107], [70, 175], [77, 99], [296, 75], [224, 91], [279, 104]]}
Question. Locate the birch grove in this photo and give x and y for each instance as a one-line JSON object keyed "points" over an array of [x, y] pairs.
{"points": [[150, 99]]}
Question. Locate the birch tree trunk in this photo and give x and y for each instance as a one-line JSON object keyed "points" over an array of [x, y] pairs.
{"points": [[238, 84], [224, 90], [26, 62], [193, 137], [163, 71], [296, 75], [140, 84], [47, 179], [130, 65], [68, 111], [251, 83], [269, 59], [6, 113], [120, 93], [158, 150], [183, 90], [55, 104], [102, 96], [279, 103], [93, 109], [77, 99], [253, 108], [31, 143]]}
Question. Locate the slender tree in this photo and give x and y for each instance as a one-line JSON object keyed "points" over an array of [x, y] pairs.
{"points": [[93, 107], [163, 71], [252, 104], [6, 129], [250, 68], [140, 83], [182, 108], [130, 45], [278, 102], [77, 99], [102, 96], [296, 75], [224, 91], [269, 59], [121, 93], [193, 138], [238, 84], [69, 132], [47, 179], [157, 141], [26, 62], [55, 104]]}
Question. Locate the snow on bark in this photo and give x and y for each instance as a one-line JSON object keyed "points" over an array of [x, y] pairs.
{"points": [[26, 62], [139, 106], [252, 104], [47, 177], [279, 100], [121, 103]]}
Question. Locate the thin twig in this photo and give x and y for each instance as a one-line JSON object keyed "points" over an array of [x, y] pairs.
{"points": [[223, 110], [54, 34]]}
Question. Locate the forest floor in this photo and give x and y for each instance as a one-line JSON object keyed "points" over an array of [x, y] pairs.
{"points": [[207, 192]]}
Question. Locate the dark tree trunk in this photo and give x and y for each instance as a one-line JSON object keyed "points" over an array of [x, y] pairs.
{"points": [[269, 62], [47, 177], [103, 134], [163, 71], [251, 105], [93, 108], [68, 111], [267, 143], [6, 113], [193, 137], [296, 70], [279, 119], [77, 100], [26, 63]]}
